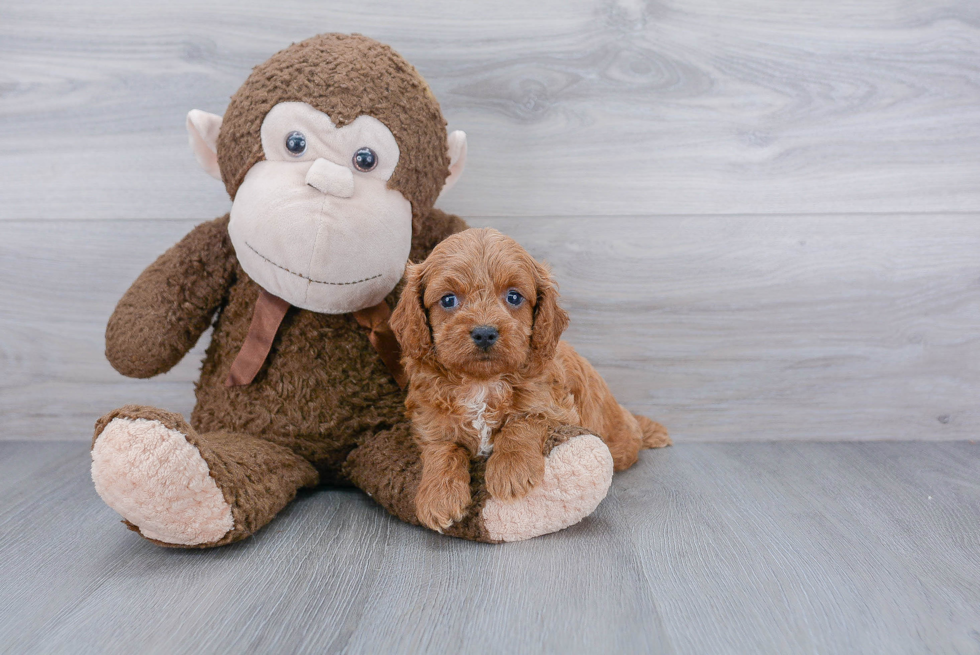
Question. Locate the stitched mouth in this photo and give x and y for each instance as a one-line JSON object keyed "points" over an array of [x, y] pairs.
{"points": [[307, 278]]}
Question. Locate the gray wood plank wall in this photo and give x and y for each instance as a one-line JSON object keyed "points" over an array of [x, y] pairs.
{"points": [[764, 214]]}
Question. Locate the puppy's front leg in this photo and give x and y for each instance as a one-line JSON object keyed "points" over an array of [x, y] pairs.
{"points": [[444, 491], [517, 463]]}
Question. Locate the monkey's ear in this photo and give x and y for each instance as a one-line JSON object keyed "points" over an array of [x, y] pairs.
{"points": [[457, 159], [202, 130]]}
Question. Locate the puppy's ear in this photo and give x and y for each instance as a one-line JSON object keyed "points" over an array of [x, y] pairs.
{"points": [[550, 320], [409, 321]]}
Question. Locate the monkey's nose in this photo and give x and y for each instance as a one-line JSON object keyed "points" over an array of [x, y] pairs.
{"points": [[484, 336], [330, 178]]}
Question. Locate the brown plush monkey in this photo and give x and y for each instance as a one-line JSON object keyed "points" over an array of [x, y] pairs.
{"points": [[333, 152]]}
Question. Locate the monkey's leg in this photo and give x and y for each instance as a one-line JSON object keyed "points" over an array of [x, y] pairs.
{"points": [[578, 472], [182, 489]]}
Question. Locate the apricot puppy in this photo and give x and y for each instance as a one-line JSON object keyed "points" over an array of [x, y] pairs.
{"points": [[479, 325]]}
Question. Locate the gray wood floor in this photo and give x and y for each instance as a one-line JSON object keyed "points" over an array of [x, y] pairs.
{"points": [[702, 548]]}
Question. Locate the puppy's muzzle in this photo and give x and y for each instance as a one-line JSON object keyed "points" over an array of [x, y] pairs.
{"points": [[484, 336]]}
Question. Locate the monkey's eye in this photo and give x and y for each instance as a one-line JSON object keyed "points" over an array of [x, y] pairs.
{"points": [[514, 298], [296, 143], [448, 301], [365, 160]]}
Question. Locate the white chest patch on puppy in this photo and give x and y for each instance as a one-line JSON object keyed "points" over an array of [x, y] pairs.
{"points": [[483, 425]]}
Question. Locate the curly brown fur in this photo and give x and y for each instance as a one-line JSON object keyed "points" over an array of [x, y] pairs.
{"points": [[465, 399]]}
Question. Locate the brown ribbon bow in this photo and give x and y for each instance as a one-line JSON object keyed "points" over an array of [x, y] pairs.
{"points": [[375, 321], [267, 317]]}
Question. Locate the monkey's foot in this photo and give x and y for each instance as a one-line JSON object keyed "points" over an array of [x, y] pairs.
{"points": [[180, 488], [159, 483], [577, 476]]}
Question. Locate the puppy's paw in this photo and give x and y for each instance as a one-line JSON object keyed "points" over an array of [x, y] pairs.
{"points": [[440, 503], [510, 476]]}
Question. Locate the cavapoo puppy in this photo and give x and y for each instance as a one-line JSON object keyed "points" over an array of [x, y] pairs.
{"points": [[479, 325]]}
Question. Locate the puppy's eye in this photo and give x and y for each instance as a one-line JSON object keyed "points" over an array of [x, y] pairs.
{"points": [[448, 301], [514, 298], [296, 143], [365, 160]]}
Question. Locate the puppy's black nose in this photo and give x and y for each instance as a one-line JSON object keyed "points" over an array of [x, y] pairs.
{"points": [[484, 336]]}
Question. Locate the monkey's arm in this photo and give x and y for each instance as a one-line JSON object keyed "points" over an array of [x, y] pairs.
{"points": [[171, 303]]}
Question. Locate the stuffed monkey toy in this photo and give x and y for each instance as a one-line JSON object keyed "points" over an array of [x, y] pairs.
{"points": [[333, 152]]}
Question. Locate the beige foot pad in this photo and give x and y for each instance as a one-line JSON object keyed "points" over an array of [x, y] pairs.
{"points": [[577, 476], [159, 482]]}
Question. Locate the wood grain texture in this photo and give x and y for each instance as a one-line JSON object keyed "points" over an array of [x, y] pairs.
{"points": [[701, 548], [573, 107], [729, 328]]}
